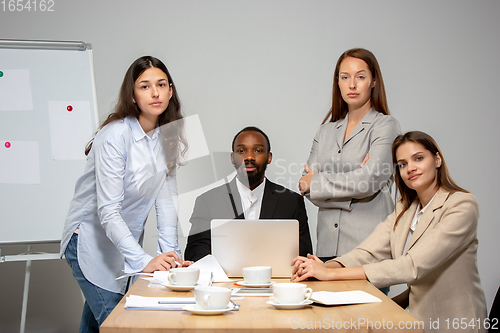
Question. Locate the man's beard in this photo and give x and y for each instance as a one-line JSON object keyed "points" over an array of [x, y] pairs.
{"points": [[254, 177]]}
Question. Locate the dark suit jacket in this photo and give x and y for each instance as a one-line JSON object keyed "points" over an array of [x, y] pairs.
{"points": [[277, 203]]}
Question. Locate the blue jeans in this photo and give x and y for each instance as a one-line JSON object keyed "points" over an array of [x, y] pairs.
{"points": [[99, 302]]}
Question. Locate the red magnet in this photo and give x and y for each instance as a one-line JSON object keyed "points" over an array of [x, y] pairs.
{"points": [[69, 108], [7, 145]]}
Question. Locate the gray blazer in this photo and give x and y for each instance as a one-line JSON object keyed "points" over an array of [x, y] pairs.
{"points": [[440, 263], [352, 199]]}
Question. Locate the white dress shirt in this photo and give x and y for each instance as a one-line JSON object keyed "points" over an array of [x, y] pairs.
{"points": [[125, 175], [251, 201]]}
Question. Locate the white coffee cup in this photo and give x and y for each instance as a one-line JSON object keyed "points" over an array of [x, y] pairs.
{"points": [[183, 276], [257, 274], [291, 293], [212, 298]]}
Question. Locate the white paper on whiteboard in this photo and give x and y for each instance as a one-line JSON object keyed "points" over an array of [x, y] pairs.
{"points": [[70, 130], [19, 162], [15, 90]]}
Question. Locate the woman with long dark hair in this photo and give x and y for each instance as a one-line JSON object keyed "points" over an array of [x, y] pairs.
{"points": [[131, 165], [349, 170], [429, 242]]}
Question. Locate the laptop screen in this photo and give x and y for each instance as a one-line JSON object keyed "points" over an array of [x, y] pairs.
{"points": [[243, 243]]}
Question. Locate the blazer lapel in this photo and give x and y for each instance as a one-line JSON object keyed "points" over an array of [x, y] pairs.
{"points": [[269, 201], [233, 190], [363, 124], [341, 127], [428, 216], [403, 228]]}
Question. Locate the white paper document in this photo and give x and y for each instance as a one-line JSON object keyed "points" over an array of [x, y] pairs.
{"points": [[158, 278], [15, 90], [19, 162], [210, 264], [343, 297], [244, 292], [135, 302], [210, 271], [70, 129]]}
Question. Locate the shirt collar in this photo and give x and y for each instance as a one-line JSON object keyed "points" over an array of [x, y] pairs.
{"points": [[367, 118], [419, 212], [137, 131], [428, 204], [246, 192]]}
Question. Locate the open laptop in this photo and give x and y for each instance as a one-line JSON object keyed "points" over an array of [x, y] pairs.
{"points": [[243, 243]]}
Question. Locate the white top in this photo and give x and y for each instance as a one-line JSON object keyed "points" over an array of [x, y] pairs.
{"points": [[125, 175], [251, 201], [416, 218]]}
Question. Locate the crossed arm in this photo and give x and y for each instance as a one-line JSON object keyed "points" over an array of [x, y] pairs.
{"points": [[305, 181]]}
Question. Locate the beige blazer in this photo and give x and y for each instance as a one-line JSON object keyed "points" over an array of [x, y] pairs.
{"points": [[439, 265]]}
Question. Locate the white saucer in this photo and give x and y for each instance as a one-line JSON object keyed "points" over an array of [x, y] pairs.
{"points": [[290, 306], [255, 285], [195, 309], [177, 288]]}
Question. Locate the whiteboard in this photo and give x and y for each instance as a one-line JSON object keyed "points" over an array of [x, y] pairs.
{"points": [[48, 112]]}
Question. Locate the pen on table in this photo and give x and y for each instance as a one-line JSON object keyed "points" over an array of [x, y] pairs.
{"points": [[158, 253]]}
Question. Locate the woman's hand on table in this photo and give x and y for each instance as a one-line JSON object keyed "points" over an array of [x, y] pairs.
{"points": [[165, 261], [308, 267]]}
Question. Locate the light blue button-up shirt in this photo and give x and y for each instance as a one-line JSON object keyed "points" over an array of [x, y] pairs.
{"points": [[125, 174]]}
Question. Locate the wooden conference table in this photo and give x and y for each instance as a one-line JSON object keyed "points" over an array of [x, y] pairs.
{"points": [[257, 316]]}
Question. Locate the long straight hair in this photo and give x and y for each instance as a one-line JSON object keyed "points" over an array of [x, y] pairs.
{"points": [[174, 138], [444, 180], [378, 99]]}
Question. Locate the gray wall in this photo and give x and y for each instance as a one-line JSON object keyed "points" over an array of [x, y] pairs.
{"points": [[270, 63]]}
